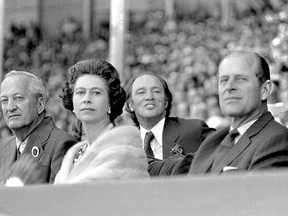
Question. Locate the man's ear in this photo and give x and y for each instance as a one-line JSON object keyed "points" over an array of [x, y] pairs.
{"points": [[166, 102], [266, 90], [130, 107], [41, 105]]}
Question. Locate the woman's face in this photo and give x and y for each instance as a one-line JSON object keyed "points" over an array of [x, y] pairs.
{"points": [[90, 99]]}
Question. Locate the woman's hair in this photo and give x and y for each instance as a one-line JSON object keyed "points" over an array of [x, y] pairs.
{"points": [[103, 69]]}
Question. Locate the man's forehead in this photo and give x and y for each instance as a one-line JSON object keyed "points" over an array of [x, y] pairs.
{"points": [[238, 65], [14, 84], [146, 80]]}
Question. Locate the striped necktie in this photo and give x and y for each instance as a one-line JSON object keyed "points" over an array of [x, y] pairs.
{"points": [[225, 146], [147, 147]]}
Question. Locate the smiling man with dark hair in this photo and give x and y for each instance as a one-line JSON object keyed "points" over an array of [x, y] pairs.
{"points": [[149, 102]]}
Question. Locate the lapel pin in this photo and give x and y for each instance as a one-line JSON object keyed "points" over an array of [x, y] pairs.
{"points": [[177, 149], [35, 151]]}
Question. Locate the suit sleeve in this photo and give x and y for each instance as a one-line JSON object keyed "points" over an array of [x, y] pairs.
{"points": [[174, 165], [61, 148], [196, 132]]}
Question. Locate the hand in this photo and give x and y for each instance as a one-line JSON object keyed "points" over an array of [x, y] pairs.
{"points": [[27, 169]]}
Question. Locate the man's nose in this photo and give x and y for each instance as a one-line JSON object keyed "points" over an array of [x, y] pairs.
{"points": [[11, 105], [230, 84], [149, 95]]}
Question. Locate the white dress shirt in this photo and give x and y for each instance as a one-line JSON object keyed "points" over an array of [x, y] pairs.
{"points": [[23, 145], [156, 143], [242, 129]]}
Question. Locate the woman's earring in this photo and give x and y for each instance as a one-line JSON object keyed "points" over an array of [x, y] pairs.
{"points": [[109, 111]]}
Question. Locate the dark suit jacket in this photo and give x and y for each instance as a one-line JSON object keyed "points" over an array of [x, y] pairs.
{"points": [[52, 143], [187, 133], [263, 145]]}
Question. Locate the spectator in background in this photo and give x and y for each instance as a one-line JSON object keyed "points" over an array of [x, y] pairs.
{"points": [[93, 92], [185, 51], [35, 152], [149, 102]]}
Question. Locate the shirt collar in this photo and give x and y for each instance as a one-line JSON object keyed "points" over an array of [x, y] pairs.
{"points": [[157, 130], [18, 142], [243, 128]]}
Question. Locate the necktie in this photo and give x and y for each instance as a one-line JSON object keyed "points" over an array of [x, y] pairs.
{"points": [[147, 147], [224, 147]]}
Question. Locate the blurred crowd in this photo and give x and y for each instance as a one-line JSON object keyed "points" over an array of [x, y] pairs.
{"points": [[185, 51]]}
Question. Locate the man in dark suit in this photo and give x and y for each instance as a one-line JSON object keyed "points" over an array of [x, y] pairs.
{"points": [[35, 152], [149, 102], [260, 143]]}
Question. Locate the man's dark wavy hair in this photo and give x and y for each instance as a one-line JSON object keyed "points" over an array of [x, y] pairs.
{"points": [[103, 69], [128, 88]]}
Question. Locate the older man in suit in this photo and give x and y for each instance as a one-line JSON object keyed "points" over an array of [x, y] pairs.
{"points": [[35, 152], [254, 140], [149, 101]]}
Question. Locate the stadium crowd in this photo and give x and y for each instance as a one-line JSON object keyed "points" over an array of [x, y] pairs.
{"points": [[185, 51]]}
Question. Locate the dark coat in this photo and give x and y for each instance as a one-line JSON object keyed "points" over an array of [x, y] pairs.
{"points": [[263, 145], [187, 133], [52, 144]]}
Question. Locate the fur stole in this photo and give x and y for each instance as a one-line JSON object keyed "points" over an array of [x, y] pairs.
{"points": [[117, 154]]}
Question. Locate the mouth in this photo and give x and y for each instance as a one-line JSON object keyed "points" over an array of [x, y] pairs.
{"points": [[232, 99], [87, 109], [13, 116], [150, 106]]}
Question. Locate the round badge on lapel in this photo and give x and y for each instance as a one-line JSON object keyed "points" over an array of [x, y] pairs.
{"points": [[35, 151]]}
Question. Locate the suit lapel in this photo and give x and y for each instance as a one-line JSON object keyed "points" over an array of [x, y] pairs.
{"points": [[244, 141], [170, 136], [205, 155], [38, 138]]}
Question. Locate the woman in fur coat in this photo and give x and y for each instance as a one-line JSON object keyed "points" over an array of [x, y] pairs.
{"points": [[94, 94]]}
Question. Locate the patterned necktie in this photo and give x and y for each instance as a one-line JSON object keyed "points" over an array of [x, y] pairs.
{"points": [[147, 147], [225, 146]]}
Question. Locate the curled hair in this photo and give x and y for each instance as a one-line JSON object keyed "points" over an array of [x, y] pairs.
{"points": [[103, 69], [167, 92]]}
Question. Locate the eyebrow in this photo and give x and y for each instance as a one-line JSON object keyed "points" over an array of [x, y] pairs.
{"points": [[17, 93], [93, 88]]}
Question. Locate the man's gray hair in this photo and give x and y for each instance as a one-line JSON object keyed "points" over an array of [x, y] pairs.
{"points": [[36, 86]]}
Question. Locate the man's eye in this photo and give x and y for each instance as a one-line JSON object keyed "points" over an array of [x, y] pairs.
{"points": [[18, 98], [140, 92], [241, 79], [4, 100], [156, 91], [223, 81]]}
